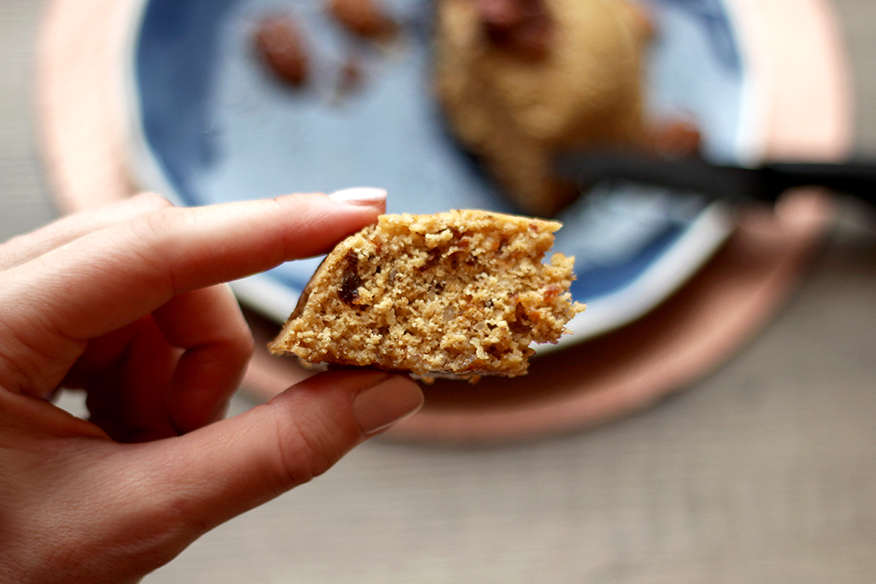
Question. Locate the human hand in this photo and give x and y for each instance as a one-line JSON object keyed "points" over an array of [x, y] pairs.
{"points": [[126, 303]]}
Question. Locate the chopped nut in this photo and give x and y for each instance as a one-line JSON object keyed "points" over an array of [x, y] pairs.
{"points": [[365, 18], [280, 42]]}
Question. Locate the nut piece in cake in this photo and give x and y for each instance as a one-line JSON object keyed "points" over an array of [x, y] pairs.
{"points": [[456, 294]]}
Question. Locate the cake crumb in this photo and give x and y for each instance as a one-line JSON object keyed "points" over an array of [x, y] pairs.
{"points": [[459, 294]]}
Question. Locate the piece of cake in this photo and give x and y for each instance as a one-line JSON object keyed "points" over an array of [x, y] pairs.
{"points": [[521, 81], [456, 294]]}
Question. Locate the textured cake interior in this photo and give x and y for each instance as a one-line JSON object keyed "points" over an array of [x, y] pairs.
{"points": [[463, 293]]}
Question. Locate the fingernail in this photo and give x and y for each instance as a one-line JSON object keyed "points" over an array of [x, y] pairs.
{"points": [[379, 407], [365, 196]]}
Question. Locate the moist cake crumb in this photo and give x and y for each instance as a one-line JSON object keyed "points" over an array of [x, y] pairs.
{"points": [[456, 294]]}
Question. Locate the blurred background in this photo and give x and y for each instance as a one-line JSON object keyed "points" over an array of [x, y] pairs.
{"points": [[764, 471]]}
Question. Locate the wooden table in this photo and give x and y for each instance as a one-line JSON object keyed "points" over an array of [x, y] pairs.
{"points": [[763, 471]]}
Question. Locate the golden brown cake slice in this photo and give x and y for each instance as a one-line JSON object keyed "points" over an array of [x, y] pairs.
{"points": [[522, 81], [460, 294]]}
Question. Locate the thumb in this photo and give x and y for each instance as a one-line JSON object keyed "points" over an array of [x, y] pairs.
{"points": [[76, 503], [217, 472]]}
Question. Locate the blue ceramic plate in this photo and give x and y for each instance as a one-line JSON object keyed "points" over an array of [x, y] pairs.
{"points": [[210, 125]]}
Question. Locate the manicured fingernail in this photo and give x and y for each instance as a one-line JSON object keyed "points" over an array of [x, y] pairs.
{"points": [[379, 407], [365, 196]]}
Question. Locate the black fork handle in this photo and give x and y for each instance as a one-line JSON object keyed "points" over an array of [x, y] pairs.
{"points": [[857, 179]]}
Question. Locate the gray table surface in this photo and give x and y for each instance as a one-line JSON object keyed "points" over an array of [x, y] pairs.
{"points": [[763, 472]]}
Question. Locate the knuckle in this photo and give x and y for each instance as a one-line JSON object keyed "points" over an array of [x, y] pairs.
{"points": [[150, 202], [159, 224], [157, 240]]}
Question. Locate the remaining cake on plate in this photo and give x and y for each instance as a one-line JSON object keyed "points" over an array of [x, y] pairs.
{"points": [[523, 80], [458, 294]]}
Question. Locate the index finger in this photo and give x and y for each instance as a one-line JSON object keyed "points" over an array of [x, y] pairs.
{"points": [[109, 278]]}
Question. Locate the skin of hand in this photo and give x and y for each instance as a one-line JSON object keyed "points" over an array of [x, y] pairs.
{"points": [[128, 304]]}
